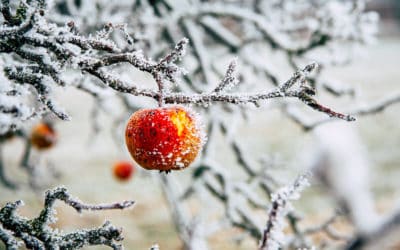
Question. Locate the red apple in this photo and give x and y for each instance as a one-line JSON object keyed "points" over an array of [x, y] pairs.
{"points": [[165, 139]]}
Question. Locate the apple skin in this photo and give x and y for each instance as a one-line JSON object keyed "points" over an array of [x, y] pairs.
{"points": [[165, 139], [43, 136]]}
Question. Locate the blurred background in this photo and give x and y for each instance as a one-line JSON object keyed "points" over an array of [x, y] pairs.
{"points": [[82, 160]]}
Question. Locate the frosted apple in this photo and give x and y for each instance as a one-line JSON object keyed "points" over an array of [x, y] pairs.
{"points": [[167, 138]]}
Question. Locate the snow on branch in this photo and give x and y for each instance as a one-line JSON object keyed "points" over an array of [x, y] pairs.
{"points": [[36, 234], [45, 50], [272, 237]]}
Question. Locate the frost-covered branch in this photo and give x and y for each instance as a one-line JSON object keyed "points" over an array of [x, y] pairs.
{"points": [[36, 234], [273, 232], [45, 50], [8, 239]]}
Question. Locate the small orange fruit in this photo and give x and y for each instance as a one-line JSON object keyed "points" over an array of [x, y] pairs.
{"points": [[43, 136], [165, 139], [123, 170]]}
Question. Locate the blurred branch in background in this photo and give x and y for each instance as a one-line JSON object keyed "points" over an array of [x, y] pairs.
{"points": [[368, 109], [389, 11], [385, 236]]}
